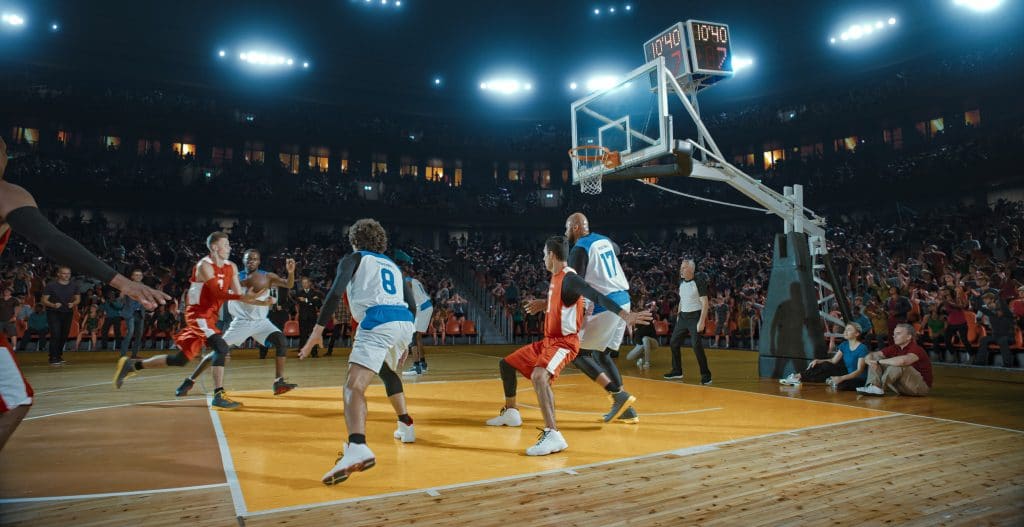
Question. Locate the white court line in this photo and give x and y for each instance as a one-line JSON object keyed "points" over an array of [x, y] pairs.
{"points": [[844, 405], [138, 378], [696, 450], [110, 494], [180, 399], [237, 498]]}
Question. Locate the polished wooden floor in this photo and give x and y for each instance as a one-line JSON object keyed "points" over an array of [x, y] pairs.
{"points": [[89, 455]]}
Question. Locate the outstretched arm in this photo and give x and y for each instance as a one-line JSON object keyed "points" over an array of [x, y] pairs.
{"points": [[574, 287]]}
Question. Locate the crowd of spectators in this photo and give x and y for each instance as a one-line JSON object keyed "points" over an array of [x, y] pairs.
{"points": [[949, 272]]}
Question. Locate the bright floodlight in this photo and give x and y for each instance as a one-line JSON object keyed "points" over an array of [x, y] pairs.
{"points": [[601, 82], [611, 10], [573, 86], [741, 63], [629, 7], [398, 3], [305, 64], [505, 86], [879, 25], [54, 27], [13, 19], [262, 58], [221, 53], [437, 81], [892, 21], [979, 5], [832, 40]]}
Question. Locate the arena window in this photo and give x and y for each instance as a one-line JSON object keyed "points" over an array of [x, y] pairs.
{"points": [[893, 137], [111, 142], [148, 146], [380, 165], [972, 118], [409, 169], [458, 177], [289, 161], [930, 128], [319, 158], [434, 173], [222, 154], [565, 173], [184, 149], [63, 137], [25, 136], [344, 164], [254, 152], [773, 156]]}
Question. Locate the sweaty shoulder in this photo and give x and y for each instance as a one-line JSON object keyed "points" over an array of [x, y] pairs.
{"points": [[13, 197]]}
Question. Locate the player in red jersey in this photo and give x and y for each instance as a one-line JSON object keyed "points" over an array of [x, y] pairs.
{"points": [[543, 360], [18, 212], [212, 281]]}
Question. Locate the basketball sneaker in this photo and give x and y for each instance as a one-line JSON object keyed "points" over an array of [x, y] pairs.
{"points": [[281, 386], [125, 368], [549, 442], [507, 417], [620, 402], [221, 401], [871, 389], [416, 369], [705, 380], [629, 416], [186, 385], [673, 375], [790, 380], [356, 458], [407, 433]]}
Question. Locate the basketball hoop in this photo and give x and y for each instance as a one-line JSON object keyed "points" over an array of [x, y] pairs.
{"points": [[589, 163]]}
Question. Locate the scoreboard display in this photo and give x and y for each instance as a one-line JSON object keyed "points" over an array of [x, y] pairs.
{"points": [[710, 50], [670, 44], [697, 50]]}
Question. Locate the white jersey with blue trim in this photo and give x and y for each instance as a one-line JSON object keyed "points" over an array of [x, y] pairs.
{"points": [[377, 282], [249, 311], [419, 295], [604, 272]]}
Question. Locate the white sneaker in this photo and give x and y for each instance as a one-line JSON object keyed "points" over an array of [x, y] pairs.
{"points": [[790, 380], [549, 442], [507, 417], [407, 433], [870, 389], [357, 458]]}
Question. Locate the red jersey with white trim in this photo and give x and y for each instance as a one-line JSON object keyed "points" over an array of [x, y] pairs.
{"points": [[204, 299], [5, 237], [561, 320]]}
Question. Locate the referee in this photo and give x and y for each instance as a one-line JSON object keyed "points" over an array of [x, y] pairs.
{"points": [[693, 313]]}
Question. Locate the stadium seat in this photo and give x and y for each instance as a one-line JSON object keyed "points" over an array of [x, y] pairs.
{"points": [[661, 330], [468, 330], [291, 331], [452, 329]]}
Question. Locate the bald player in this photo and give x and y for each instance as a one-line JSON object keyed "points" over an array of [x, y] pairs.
{"points": [[595, 259]]}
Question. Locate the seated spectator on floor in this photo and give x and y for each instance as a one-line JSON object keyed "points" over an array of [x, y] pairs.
{"points": [[845, 371], [38, 326], [903, 367], [1002, 321]]}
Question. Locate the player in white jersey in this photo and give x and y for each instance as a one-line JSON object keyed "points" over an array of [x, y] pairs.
{"points": [[250, 320], [595, 258], [424, 312], [382, 303]]}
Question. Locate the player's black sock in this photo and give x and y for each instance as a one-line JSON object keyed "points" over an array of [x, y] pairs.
{"points": [[405, 419], [612, 387], [218, 390], [357, 439], [138, 365]]}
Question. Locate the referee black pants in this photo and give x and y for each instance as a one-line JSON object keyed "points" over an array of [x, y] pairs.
{"points": [[60, 325], [686, 323]]}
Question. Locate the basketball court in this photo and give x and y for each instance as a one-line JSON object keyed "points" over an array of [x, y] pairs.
{"points": [[91, 455]]}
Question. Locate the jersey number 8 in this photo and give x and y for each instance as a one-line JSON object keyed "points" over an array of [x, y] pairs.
{"points": [[387, 280]]}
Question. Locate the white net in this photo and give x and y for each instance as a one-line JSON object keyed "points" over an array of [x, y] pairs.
{"points": [[589, 163]]}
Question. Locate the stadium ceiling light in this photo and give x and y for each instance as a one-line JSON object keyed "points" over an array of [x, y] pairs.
{"points": [[629, 7], [222, 53], [597, 11], [398, 3], [980, 6], [741, 63], [601, 82], [54, 27], [859, 31], [12, 19], [892, 21], [505, 86], [573, 86], [611, 10], [262, 58]]}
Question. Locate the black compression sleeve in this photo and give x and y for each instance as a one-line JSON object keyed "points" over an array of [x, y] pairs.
{"points": [[574, 287], [578, 260], [346, 269], [31, 223]]}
